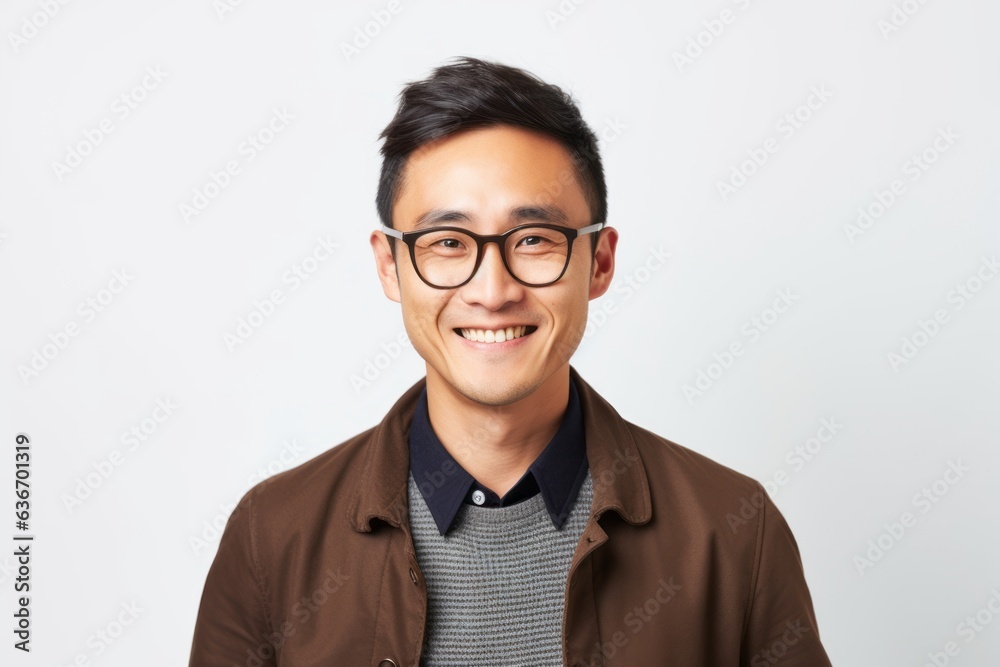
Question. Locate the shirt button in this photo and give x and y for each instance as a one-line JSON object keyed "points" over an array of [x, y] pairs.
{"points": [[478, 497], [388, 662]]}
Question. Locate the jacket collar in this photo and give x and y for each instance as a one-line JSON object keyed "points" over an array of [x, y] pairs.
{"points": [[619, 478]]}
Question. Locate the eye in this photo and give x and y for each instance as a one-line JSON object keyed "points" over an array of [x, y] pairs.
{"points": [[536, 240]]}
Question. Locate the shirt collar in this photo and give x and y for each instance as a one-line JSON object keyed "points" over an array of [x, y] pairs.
{"points": [[379, 493], [557, 473]]}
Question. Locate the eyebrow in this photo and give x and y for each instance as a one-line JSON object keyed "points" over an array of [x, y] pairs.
{"points": [[540, 213]]}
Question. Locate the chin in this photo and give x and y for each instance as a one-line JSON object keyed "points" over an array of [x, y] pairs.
{"points": [[494, 394]]}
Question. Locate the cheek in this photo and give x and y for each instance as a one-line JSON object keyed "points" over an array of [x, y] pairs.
{"points": [[566, 308], [421, 315], [570, 313]]}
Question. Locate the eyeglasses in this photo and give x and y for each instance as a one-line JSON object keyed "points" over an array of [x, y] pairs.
{"points": [[535, 255]]}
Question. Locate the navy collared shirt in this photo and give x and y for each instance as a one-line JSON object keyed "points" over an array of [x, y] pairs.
{"points": [[557, 473]]}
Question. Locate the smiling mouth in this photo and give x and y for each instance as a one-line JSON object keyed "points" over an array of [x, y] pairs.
{"points": [[496, 335]]}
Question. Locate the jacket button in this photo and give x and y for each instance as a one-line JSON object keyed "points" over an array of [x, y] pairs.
{"points": [[413, 576], [388, 662]]}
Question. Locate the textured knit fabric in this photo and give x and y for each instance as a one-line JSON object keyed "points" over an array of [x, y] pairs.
{"points": [[496, 582]]}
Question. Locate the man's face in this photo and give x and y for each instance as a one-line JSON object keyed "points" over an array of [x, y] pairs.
{"points": [[483, 175]]}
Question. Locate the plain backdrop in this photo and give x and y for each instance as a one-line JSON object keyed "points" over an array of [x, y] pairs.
{"points": [[838, 157]]}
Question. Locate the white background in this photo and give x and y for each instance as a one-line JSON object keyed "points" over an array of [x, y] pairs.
{"points": [[672, 131]]}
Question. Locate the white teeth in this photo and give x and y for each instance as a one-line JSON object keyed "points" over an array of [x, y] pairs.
{"points": [[494, 336]]}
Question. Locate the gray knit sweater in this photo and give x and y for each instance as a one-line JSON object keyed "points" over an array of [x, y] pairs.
{"points": [[496, 582]]}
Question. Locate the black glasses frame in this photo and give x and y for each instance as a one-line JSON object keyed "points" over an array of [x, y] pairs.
{"points": [[410, 238]]}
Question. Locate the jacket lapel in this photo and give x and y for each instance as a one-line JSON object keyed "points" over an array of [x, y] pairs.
{"points": [[620, 484], [619, 477], [381, 488]]}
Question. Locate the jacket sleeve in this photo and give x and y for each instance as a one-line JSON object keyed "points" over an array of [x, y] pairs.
{"points": [[781, 624], [232, 623]]}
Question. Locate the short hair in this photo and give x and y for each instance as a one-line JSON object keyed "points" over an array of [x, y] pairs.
{"points": [[474, 93]]}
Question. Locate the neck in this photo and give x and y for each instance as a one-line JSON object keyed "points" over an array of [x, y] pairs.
{"points": [[497, 443]]}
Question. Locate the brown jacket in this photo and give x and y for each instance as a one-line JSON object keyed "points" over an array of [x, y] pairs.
{"points": [[683, 562]]}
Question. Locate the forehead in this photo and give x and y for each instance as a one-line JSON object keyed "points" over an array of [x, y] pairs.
{"points": [[486, 172]]}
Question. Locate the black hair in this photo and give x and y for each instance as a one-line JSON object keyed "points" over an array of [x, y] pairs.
{"points": [[474, 93]]}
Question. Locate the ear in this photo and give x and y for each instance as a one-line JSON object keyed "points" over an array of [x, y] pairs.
{"points": [[385, 265], [603, 269]]}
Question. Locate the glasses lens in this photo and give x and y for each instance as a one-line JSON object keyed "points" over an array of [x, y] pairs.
{"points": [[536, 256], [445, 258]]}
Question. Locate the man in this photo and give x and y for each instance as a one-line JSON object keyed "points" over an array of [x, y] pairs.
{"points": [[502, 513]]}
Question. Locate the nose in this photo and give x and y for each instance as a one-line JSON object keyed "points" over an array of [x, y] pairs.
{"points": [[492, 286]]}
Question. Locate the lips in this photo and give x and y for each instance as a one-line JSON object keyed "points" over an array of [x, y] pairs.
{"points": [[498, 335]]}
